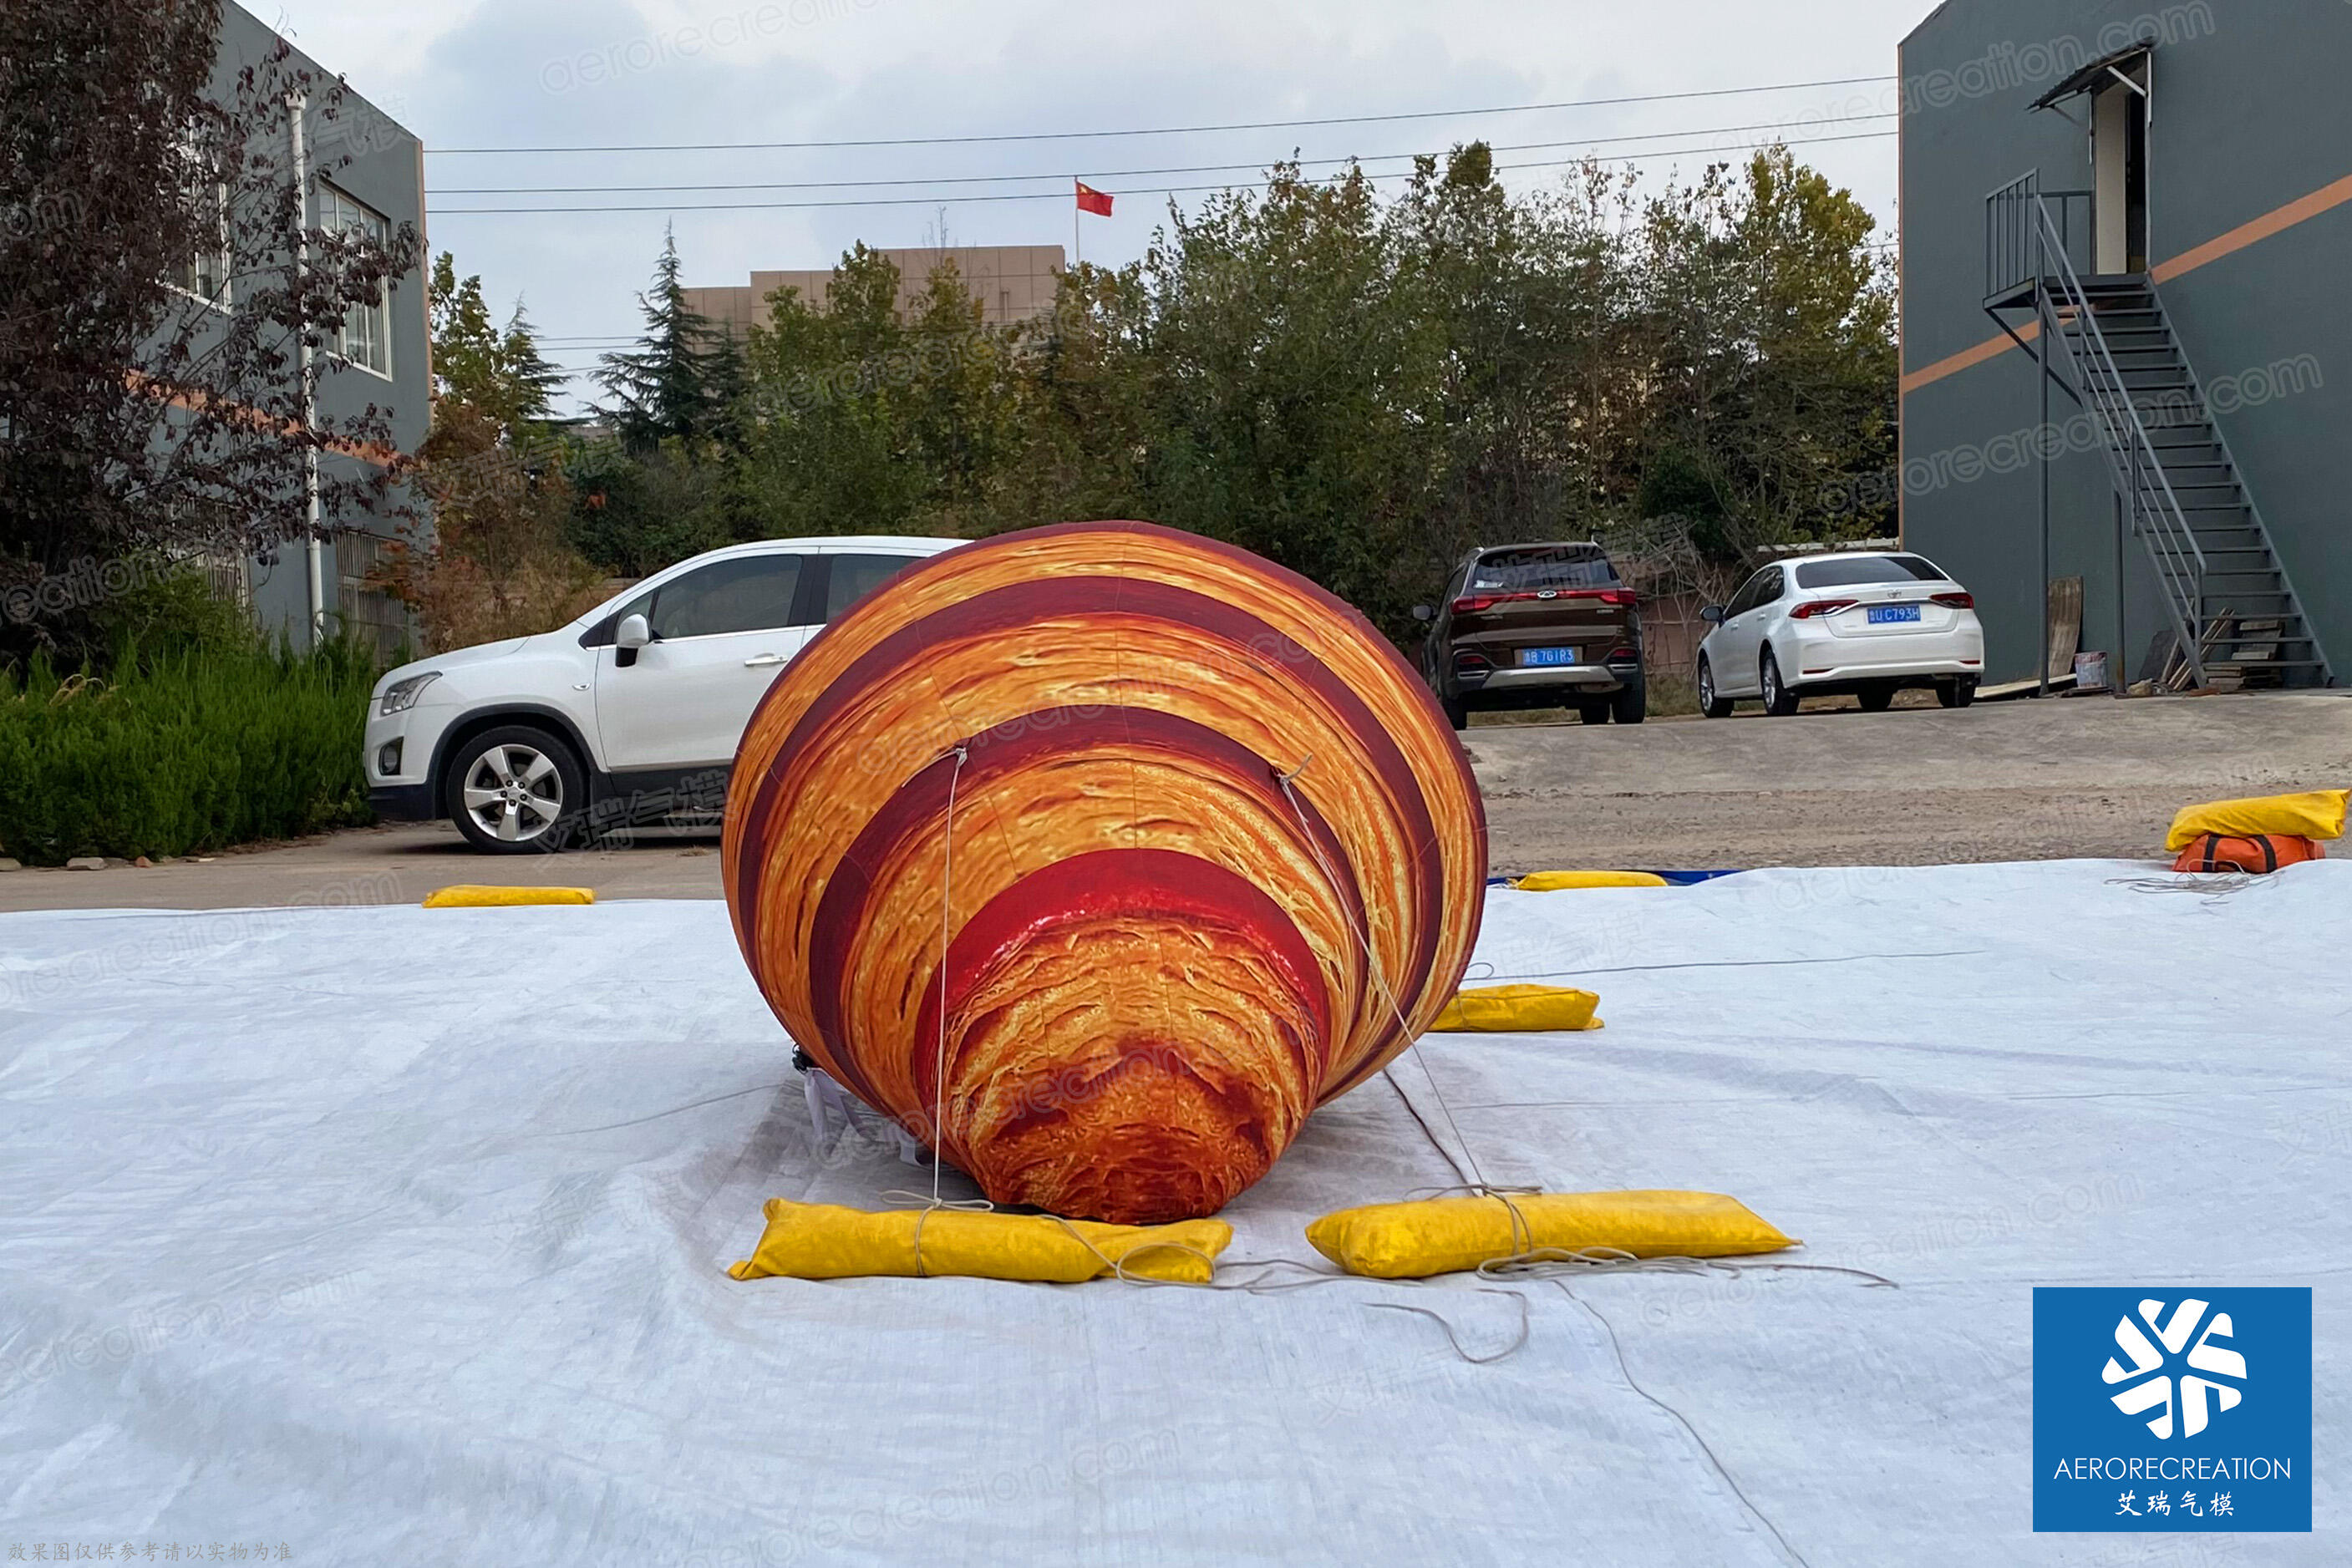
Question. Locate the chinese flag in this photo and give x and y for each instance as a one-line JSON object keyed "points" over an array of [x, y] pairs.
{"points": [[1093, 201]]}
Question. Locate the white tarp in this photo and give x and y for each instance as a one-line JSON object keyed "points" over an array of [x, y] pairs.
{"points": [[395, 1237]]}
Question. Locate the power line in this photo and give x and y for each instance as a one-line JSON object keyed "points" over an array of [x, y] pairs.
{"points": [[1120, 173], [1166, 130], [1064, 195]]}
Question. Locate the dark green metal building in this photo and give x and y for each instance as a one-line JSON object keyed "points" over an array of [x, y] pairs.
{"points": [[2145, 217]]}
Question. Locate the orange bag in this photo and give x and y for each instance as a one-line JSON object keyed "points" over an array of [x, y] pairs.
{"points": [[2261, 855]]}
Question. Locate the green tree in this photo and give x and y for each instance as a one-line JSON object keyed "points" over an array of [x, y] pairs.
{"points": [[496, 562], [866, 419], [500, 373], [1294, 390], [1772, 320], [634, 513], [1081, 408], [678, 383], [1356, 388]]}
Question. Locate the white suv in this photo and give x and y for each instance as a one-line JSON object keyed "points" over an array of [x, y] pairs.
{"points": [[630, 713]]}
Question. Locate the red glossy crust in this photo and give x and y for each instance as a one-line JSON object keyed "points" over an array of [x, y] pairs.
{"points": [[1103, 889]]}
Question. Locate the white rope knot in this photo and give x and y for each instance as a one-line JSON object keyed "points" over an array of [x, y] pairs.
{"points": [[900, 1197], [930, 1203], [1523, 1236]]}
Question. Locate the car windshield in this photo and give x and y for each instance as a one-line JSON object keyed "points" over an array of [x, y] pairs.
{"points": [[1863, 570], [1538, 567]]}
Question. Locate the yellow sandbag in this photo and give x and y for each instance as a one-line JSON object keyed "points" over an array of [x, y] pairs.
{"points": [[1517, 1009], [2316, 814], [466, 895], [819, 1242], [1561, 880], [1452, 1235]]}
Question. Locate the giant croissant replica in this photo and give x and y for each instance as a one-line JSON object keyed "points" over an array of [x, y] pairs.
{"points": [[1098, 857]]}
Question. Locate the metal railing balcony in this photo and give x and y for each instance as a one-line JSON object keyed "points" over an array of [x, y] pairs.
{"points": [[2015, 253]]}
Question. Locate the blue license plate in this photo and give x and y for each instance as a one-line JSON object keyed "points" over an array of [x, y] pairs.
{"points": [[1893, 615], [1546, 656]]}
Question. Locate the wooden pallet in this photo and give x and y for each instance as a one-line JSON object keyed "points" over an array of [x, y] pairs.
{"points": [[2248, 657], [2179, 676]]}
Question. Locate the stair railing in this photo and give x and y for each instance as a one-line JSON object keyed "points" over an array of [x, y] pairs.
{"points": [[2326, 673], [2157, 518]]}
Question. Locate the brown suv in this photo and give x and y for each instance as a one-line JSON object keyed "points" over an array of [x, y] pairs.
{"points": [[1537, 626]]}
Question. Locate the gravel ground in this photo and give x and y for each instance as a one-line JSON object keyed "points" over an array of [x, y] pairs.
{"points": [[2025, 780], [2007, 781]]}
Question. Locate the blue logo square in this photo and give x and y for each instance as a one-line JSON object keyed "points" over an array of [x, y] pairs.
{"points": [[2171, 1408]]}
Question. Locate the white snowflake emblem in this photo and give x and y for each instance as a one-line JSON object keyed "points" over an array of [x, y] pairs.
{"points": [[2151, 1378]]}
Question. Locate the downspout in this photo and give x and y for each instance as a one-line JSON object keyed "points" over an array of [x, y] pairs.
{"points": [[297, 105]]}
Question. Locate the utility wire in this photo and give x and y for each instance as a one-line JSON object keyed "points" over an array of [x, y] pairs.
{"points": [[1063, 195], [1121, 174], [1168, 129]]}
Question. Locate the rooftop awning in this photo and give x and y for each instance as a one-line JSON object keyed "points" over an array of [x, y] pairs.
{"points": [[2093, 75]]}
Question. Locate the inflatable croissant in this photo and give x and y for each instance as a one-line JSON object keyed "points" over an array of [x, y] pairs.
{"points": [[1097, 856]]}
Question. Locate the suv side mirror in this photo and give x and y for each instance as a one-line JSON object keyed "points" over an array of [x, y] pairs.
{"points": [[1424, 613], [632, 633], [1713, 613]]}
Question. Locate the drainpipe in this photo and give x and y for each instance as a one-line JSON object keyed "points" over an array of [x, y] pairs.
{"points": [[2120, 678], [297, 105], [2049, 332]]}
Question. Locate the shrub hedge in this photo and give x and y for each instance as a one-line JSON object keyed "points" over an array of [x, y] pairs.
{"points": [[181, 750]]}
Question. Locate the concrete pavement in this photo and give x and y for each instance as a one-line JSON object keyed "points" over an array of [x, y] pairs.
{"points": [[2022, 780]]}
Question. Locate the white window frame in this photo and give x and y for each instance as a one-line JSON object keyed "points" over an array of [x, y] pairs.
{"points": [[340, 212], [208, 277]]}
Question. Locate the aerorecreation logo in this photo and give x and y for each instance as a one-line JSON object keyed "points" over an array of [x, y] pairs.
{"points": [[2171, 1410], [2205, 1358]]}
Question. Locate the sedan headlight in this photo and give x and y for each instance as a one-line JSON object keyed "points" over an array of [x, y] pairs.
{"points": [[400, 695]]}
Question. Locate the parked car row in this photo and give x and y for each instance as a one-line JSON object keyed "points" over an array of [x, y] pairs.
{"points": [[633, 711], [1553, 625]]}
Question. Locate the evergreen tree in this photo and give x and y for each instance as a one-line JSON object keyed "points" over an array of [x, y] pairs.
{"points": [[535, 377], [675, 385]]}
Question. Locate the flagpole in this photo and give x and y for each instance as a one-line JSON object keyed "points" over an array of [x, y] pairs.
{"points": [[1077, 228]]}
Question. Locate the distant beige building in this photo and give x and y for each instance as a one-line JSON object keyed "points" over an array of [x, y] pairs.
{"points": [[1013, 283]]}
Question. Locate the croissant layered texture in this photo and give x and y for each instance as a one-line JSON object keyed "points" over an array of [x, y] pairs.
{"points": [[1011, 852]]}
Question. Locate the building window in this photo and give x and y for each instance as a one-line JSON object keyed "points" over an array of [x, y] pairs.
{"points": [[205, 273], [230, 575], [365, 338], [370, 615]]}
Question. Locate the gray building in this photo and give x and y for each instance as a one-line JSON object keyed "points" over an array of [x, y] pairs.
{"points": [[366, 171], [2145, 217]]}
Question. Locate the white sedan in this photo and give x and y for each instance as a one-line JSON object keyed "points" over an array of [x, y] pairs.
{"points": [[1868, 624], [630, 713]]}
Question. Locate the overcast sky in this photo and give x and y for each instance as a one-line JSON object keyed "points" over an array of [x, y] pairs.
{"points": [[565, 73]]}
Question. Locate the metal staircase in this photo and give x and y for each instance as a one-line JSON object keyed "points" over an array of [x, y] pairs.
{"points": [[2225, 590]]}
